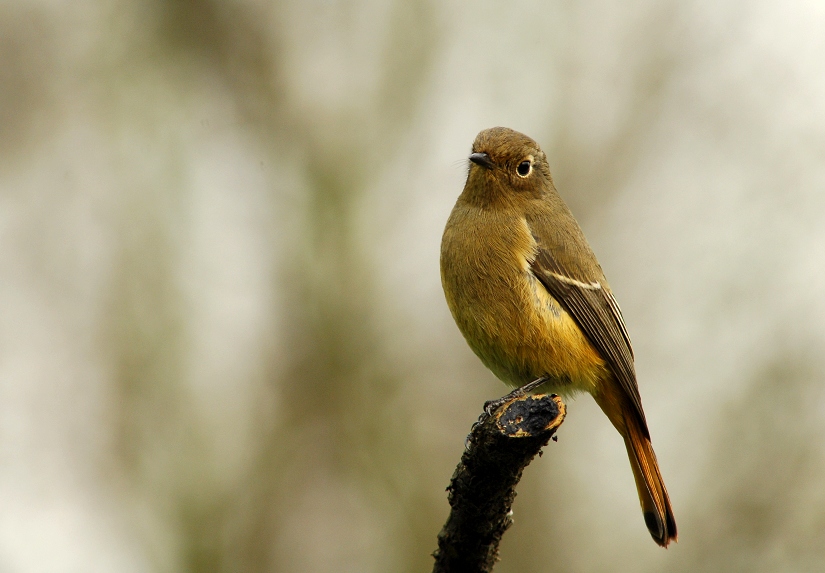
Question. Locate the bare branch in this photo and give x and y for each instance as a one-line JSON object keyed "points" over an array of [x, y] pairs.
{"points": [[482, 488]]}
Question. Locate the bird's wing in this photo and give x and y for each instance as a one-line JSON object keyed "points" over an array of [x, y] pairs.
{"points": [[592, 306]]}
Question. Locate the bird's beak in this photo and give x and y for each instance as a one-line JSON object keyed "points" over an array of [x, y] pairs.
{"points": [[481, 159]]}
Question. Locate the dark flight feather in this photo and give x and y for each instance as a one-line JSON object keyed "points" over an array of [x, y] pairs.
{"points": [[592, 306]]}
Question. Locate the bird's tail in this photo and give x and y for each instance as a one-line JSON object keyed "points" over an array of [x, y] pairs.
{"points": [[652, 492], [653, 496]]}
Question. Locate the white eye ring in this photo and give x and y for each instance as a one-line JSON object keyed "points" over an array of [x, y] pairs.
{"points": [[524, 168]]}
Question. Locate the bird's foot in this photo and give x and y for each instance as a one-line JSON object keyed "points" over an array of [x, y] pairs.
{"points": [[493, 405]]}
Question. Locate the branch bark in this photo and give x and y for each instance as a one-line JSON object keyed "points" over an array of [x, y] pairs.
{"points": [[482, 489]]}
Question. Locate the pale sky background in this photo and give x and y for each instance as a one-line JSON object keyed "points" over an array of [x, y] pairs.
{"points": [[223, 341]]}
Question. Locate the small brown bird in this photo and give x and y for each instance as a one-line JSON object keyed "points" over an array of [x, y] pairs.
{"points": [[530, 297]]}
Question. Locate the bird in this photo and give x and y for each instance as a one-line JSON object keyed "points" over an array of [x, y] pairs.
{"points": [[531, 299]]}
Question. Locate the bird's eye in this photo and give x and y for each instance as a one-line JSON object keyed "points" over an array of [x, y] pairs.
{"points": [[524, 168]]}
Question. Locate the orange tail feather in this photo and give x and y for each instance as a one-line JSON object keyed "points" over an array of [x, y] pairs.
{"points": [[651, 488], [653, 495]]}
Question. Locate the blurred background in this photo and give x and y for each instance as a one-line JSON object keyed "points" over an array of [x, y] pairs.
{"points": [[223, 341]]}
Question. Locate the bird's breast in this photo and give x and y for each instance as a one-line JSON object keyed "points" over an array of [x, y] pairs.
{"points": [[517, 329]]}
